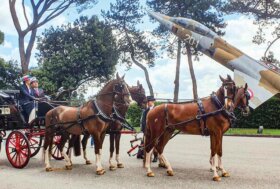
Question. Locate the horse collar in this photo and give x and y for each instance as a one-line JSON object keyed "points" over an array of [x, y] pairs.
{"points": [[216, 101], [100, 113]]}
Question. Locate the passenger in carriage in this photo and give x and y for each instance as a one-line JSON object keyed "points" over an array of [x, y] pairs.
{"points": [[26, 97], [38, 92], [150, 105]]}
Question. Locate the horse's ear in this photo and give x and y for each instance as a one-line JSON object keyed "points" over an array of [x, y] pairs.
{"points": [[118, 77], [222, 79], [246, 87], [229, 78], [123, 76]]}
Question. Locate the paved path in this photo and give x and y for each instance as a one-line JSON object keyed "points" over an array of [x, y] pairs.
{"points": [[252, 163]]}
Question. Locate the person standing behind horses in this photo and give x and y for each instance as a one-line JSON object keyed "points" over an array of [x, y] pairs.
{"points": [[26, 97], [150, 105]]}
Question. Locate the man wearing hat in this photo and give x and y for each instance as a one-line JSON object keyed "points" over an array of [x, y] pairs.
{"points": [[38, 92], [26, 97], [150, 105]]}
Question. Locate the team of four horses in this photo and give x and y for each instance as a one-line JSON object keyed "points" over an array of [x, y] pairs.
{"points": [[207, 116]]}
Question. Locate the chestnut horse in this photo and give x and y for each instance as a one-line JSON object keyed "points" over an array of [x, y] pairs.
{"points": [[93, 117], [138, 95], [213, 116]]}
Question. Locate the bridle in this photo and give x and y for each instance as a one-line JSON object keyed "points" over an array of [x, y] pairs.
{"points": [[225, 87]]}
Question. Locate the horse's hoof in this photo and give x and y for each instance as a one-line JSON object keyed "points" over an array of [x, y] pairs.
{"points": [[88, 162], [150, 174], [112, 167], [48, 169], [217, 179], [226, 174], [71, 163], [120, 165], [100, 172], [170, 173], [211, 169], [162, 165], [68, 167]]}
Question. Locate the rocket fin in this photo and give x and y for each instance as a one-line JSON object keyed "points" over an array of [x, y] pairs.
{"points": [[259, 94]]}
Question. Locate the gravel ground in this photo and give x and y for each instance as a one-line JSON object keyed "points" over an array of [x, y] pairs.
{"points": [[252, 163]]}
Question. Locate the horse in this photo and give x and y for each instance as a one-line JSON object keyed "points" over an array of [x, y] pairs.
{"points": [[138, 95], [210, 115], [93, 117]]}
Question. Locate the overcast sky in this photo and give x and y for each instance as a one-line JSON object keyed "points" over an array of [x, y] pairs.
{"points": [[239, 32]]}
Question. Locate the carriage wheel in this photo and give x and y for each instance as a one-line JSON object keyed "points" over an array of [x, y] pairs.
{"points": [[35, 142], [56, 154], [18, 149]]}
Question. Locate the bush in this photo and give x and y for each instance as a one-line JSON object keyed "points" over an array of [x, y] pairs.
{"points": [[133, 115]]}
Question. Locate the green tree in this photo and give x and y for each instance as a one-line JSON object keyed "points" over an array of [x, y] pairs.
{"points": [[9, 74], [266, 14], [42, 12], [76, 53], [134, 47], [203, 11]]}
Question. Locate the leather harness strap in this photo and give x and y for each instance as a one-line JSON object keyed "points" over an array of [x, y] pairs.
{"points": [[80, 121], [201, 111]]}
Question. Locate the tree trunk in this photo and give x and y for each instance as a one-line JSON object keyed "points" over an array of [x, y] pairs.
{"points": [[177, 74], [146, 74], [24, 65], [195, 96]]}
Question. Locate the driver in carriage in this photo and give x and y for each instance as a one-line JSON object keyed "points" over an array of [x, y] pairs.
{"points": [[26, 98]]}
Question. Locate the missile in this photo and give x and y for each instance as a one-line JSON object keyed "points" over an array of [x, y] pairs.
{"points": [[263, 78]]}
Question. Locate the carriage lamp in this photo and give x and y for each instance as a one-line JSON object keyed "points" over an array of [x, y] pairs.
{"points": [[260, 130], [4, 111]]}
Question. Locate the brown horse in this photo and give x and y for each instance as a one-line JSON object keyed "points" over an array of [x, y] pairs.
{"points": [[138, 95], [212, 114], [93, 117]]}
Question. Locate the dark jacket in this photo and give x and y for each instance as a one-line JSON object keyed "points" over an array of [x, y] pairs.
{"points": [[39, 93], [144, 119], [25, 95]]}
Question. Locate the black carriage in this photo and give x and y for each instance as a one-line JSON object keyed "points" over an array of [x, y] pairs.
{"points": [[23, 140]]}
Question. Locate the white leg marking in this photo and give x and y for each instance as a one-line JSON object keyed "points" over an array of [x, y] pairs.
{"points": [[148, 160], [111, 161], [220, 165], [67, 160], [215, 173], [118, 158], [47, 160], [212, 162], [166, 162], [98, 161]]}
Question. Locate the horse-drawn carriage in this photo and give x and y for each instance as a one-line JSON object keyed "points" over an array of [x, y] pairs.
{"points": [[23, 140]]}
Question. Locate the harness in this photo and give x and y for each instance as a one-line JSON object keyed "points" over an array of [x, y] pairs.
{"points": [[201, 117], [80, 121]]}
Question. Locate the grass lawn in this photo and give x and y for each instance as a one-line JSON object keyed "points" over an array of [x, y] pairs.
{"points": [[239, 131]]}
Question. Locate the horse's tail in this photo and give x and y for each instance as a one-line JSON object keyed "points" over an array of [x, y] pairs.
{"points": [[50, 119], [77, 145]]}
